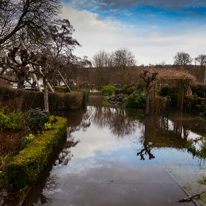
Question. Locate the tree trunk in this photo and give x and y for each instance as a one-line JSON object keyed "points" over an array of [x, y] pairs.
{"points": [[46, 96], [147, 103], [19, 93]]}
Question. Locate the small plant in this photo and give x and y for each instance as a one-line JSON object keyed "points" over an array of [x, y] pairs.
{"points": [[136, 100], [12, 121], [30, 137], [37, 119], [47, 126]]}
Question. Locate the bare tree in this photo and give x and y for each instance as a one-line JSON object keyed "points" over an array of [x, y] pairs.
{"points": [[150, 79], [125, 72], [18, 60], [182, 59], [28, 20], [101, 73], [48, 71], [116, 68], [201, 59]]}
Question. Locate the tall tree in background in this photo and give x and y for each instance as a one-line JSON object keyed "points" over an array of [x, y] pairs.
{"points": [[100, 74], [201, 59], [28, 20], [124, 67], [182, 59]]}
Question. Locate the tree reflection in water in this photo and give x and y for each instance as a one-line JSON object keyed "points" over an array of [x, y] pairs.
{"points": [[158, 132], [115, 119]]}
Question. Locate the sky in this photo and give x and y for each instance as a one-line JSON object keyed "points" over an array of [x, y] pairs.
{"points": [[154, 30]]}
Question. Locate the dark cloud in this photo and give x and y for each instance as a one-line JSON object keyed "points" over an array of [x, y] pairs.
{"points": [[166, 4]]}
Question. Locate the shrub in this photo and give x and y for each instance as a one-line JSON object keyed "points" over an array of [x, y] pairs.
{"points": [[12, 121], [109, 89], [37, 119], [128, 90], [136, 100], [26, 166]]}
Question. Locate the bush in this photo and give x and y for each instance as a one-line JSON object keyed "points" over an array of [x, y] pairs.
{"points": [[109, 89], [12, 121], [128, 91], [26, 166], [136, 100], [37, 119]]}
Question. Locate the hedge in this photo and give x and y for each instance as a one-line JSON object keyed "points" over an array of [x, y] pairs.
{"points": [[57, 101], [26, 166]]}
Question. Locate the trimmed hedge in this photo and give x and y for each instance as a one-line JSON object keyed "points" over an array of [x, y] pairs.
{"points": [[7, 93], [84, 95], [26, 166], [57, 101]]}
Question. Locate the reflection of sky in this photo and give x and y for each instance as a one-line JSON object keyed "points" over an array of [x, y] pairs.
{"points": [[98, 145], [101, 157]]}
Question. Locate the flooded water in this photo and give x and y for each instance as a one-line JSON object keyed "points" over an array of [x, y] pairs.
{"points": [[118, 157]]}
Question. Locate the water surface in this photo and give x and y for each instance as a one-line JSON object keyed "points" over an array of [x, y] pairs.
{"points": [[118, 157]]}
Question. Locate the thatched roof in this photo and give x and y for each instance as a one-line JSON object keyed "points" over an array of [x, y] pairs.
{"points": [[172, 74]]}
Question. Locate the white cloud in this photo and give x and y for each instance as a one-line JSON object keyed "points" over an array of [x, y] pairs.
{"points": [[147, 43]]}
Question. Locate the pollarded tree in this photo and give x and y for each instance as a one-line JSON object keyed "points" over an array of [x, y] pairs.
{"points": [[182, 59], [19, 61], [150, 79]]}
